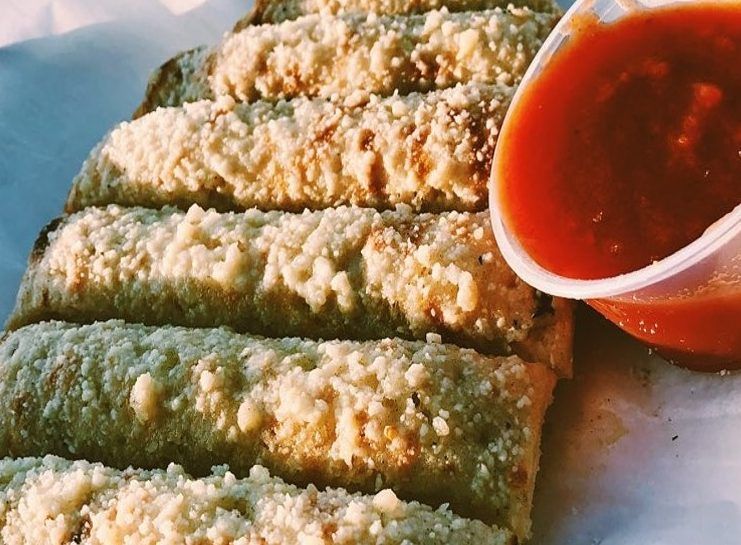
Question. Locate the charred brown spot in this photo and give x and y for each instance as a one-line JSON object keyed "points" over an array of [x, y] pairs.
{"points": [[543, 305], [450, 466], [410, 233], [427, 66], [163, 88], [325, 133], [518, 477], [42, 241], [218, 194], [366, 138], [377, 175], [482, 151], [329, 529], [11, 345], [421, 161], [378, 180], [83, 530]]}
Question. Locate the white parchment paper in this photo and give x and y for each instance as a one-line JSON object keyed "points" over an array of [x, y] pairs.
{"points": [[636, 452]]}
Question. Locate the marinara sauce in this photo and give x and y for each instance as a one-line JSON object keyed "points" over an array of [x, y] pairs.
{"points": [[625, 149]]}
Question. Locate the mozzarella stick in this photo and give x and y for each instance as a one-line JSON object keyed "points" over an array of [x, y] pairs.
{"points": [[276, 11], [432, 151], [345, 272], [433, 422], [54, 501], [328, 55]]}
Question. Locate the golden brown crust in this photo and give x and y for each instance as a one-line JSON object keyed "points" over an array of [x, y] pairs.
{"points": [[552, 337], [433, 422], [344, 272], [166, 79], [54, 501], [42, 241], [254, 17]]}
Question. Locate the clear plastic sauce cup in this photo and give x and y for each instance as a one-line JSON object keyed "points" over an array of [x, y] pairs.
{"points": [[687, 305]]}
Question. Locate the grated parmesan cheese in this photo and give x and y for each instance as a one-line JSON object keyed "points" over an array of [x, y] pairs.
{"points": [[336, 413], [55, 501]]}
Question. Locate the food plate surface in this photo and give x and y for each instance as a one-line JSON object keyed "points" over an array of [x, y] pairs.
{"points": [[635, 450]]}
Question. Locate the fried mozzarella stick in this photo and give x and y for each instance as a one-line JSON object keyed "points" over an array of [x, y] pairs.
{"points": [[346, 272], [277, 11], [432, 151], [325, 56], [53, 501], [433, 422]]}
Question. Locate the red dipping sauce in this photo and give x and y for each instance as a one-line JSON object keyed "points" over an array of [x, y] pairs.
{"points": [[625, 149]]}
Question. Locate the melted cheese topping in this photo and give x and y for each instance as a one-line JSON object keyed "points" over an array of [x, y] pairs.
{"points": [[344, 272], [433, 422], [432, 151], [327, 55], [54, 501]]}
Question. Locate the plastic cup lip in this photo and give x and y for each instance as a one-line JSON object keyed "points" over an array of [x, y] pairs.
{"points": [[715, 237], [721, 233]]}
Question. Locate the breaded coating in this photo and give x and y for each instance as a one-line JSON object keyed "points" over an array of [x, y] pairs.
{"points": [[432, 151], [347, 272], [433, 422], [328, 55], [53, 501], [276, 11]]}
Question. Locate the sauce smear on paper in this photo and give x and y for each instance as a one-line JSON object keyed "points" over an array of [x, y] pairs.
{"points": [[625, 149]]}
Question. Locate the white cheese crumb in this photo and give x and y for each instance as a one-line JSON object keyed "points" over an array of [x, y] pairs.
{"points": [[433, 338], [416, 374], [306, 539], [144, 398], [249, 416], [440, 426], [469, 40], [386, 501]]}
